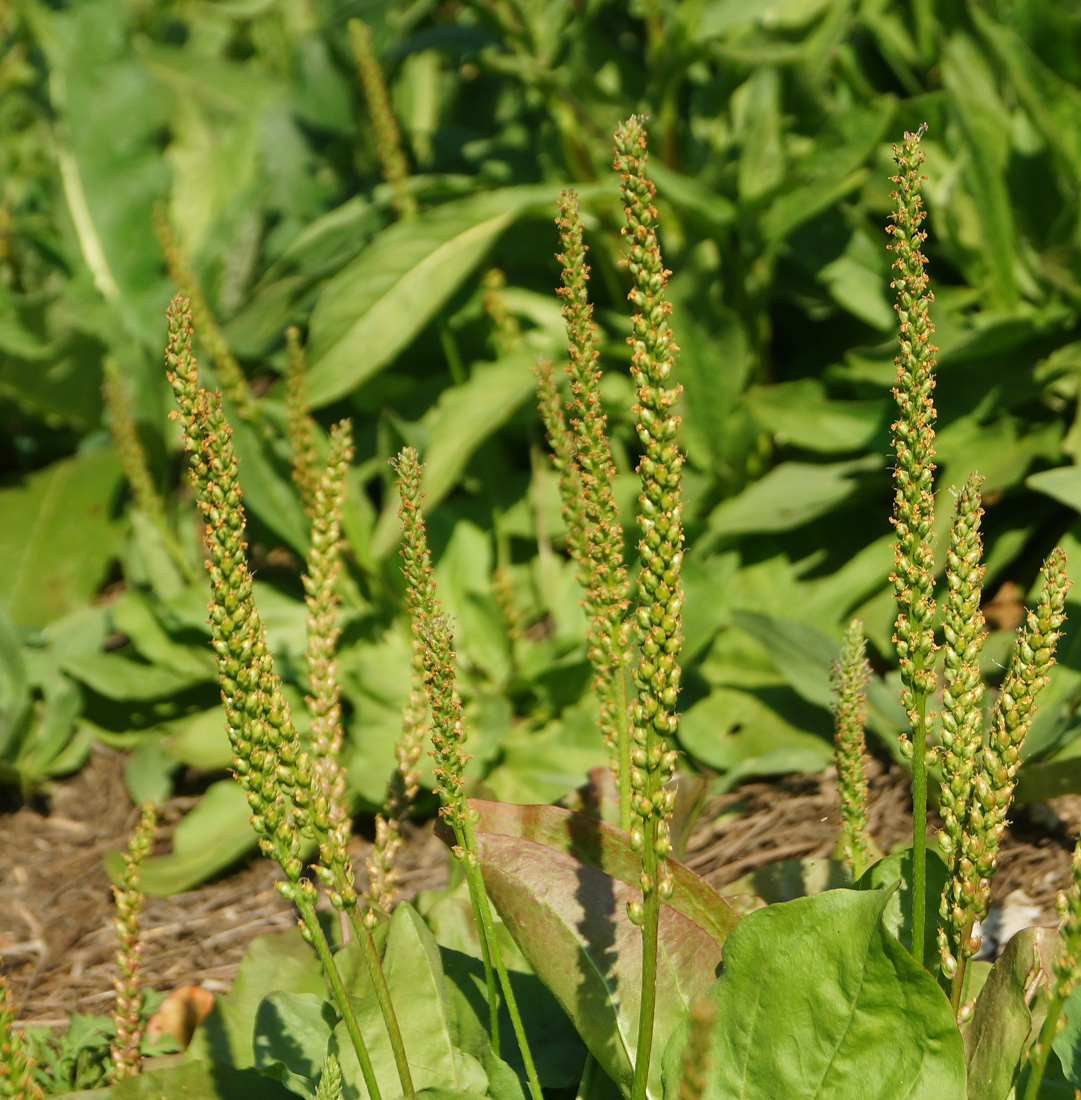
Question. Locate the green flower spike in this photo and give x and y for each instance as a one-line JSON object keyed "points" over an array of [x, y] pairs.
{"points": [[962, 727], [299, 427], [278, 777], [851, 674], [601, 569], [323, 567], [388, 138], [401, 790], [330, 1080], [996, 768], [432, 629], [696, 1061], [660, 594], [1067, 970], [913, 515], [129, 993]]}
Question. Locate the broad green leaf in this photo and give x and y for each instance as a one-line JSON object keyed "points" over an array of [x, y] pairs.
{"points": [[799, 413], [215, 834], [792, 878], [110, 178], [1062, 484], [788, 496], [756, 110], [376, 305], [118, 677], [468, 414], [558, 1053], [414, 977], [205, 1080], [451, 1094], [267, 492], [804, 656], [66, 503], [200, 740], [1002, 1025], [280, 962], [543, 765], [13, 683], [1067, 1044], [690, 196], [818, 1000], [998, 451], [569, 918], [133, 615], [896, 869], [148, 561], [148, 771], [860, 290], [16, 703], [985, 120], [292, 1033], [733, 730]]}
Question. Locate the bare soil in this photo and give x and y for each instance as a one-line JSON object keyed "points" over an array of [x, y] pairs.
{"points": [[57, 941]]}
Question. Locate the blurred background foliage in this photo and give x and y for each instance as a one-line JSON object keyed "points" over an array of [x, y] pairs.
{"points": [[425, 302]]}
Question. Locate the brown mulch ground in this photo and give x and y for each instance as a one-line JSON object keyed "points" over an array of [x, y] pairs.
{"points": [[56, 909]]}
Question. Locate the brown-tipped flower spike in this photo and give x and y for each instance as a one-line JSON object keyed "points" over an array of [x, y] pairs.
{"points": [[660, 593], [129, 993], [561, 444], [230, 375], [658, 617], [300, 428], [962, 719], [128, 445], [913, 436], [851, 673], [16, 1065], [913, 512]]}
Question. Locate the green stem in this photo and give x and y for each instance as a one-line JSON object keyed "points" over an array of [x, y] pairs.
{"points": [[585, 1082], [919, 830], [479, 897], [623, 744], [651, 909], [382, 992], [957, 985], [476, 900], [337, 987], [1043, 1047]]}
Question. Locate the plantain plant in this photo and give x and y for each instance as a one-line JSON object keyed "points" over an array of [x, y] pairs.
{"points": [[665, 987]]}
